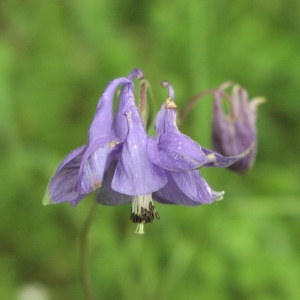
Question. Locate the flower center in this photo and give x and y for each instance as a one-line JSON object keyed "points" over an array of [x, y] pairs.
{"points": [[143, 211]]}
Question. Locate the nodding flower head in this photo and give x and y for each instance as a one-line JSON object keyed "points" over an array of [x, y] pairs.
{"points": [[181, 158], [122, 164], [235, 131], [82, 171]]}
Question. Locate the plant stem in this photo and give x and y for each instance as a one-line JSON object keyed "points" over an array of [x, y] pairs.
{"points": [[191, 104], [84, 253]]}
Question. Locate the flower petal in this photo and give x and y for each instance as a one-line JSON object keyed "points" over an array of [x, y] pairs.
{"points": [[172, 194], [173, 150], [120, 121], [166, 120], [160, 120], [102, 122], [135, 173], [233, 133], [106, 195], [221, 125], [176, 152], [61, 186], [218, 161], [195, 187], [94, 163]]}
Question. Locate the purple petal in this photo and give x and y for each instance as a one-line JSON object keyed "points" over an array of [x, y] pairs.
{"points": [[106, 195], [234, 133], [172, 194], [195, 187], [230, 136], [135, 173], [220, 126], [166, 120], [102, 122], [176, 152], [218, 161], [76, 201], [120, 122], [159, 121], [135, 73], [61, 186], [94, 163]]}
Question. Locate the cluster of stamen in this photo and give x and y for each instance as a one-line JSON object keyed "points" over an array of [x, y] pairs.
{"points": [[143, 211], [146, 216]]}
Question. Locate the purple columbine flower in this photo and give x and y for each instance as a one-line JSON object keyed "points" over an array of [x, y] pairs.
{"points": [[132, 176], [235, 132], [114, 162], [123, 165], [181, 157], [82, 171]]}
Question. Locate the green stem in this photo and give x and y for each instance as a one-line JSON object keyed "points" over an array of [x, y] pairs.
{"points": [[84, 253], [191, 104]]}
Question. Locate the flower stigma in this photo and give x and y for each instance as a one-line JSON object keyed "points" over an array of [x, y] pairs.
{"points": [[143, 211]]}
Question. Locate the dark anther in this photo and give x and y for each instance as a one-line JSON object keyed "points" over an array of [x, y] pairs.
{"points": [[137, 218], [157, 215], [146, 215]]}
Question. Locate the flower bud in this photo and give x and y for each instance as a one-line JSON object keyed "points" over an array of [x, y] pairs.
{"points": [[235, 131]]}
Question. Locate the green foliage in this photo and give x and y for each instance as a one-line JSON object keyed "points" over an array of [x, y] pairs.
{"points": [[56, 57]]}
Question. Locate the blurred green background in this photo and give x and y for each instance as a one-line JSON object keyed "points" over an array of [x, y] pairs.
{"points": [[57, 56]]}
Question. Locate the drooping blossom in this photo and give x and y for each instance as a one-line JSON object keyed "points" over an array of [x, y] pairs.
{"points": [[235, 131], [82, 171], [132, 176], [114, 162], [181, 157], [122, 164]]}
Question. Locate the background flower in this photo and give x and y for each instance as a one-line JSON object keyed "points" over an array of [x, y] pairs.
{"points": [[235, 131]]}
